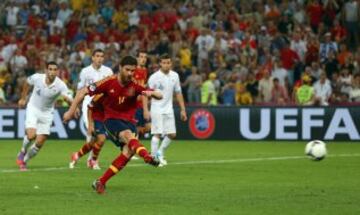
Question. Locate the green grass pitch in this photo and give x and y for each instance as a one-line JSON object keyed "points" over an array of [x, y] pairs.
{"points": [[203, 177]]}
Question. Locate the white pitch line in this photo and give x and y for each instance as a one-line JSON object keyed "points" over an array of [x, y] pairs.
{"points": [[189, 162]]}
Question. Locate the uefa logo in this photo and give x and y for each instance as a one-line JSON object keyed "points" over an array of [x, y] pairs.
{"points": [[202, 124]]}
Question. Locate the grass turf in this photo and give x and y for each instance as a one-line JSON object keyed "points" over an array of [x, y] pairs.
{"points": [[242, 182]]}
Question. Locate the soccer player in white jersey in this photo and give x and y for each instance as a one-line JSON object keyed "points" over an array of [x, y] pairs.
{"points": [[96, 71], [39, 111], [161, 111]]}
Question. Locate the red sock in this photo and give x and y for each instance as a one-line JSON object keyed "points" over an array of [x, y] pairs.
{"points": [[140, 150], [84, 149], [118, 164], [96, 150]]}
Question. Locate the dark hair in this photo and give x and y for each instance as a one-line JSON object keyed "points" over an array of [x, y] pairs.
{"points": [[128, 60], [275, 80], [96, 51], [140, 51], [51, 63], [164, 56]]}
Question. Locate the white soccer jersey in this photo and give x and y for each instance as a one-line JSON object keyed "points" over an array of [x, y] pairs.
{"points": [[168, 84], [43, 96], [89, 75]]}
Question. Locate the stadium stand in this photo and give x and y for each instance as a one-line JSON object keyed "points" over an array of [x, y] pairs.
{"points": [[240, 46]]}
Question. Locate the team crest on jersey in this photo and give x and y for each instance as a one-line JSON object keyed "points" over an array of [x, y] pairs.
{"points": [[202, 123], [160, 87]]}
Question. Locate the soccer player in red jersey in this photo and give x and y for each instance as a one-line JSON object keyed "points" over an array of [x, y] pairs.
{"points": [[120, 102], [97, 129], [142, 115]]}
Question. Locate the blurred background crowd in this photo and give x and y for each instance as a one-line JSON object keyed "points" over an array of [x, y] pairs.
{"points": [[227, 52]]}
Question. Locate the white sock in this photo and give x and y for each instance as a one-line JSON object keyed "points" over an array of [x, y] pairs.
{"points": [[154, 145], [31, 153], [164, 144], [90, 155], [25, 144], [89, 137]]}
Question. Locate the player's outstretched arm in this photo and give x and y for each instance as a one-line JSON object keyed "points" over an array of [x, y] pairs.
{"points": [[153, 94], [77, 100]]}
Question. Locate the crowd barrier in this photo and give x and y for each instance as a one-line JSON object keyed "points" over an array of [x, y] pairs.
{"points": [[225, 123]]}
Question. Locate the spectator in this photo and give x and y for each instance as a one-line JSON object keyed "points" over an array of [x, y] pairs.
{"points": [[64, 13], [327, 46], [265, 87], [331, 64], [289, 58], [18, 64], [185, 55], [279, 72], [351, 18], [322, 89], [243, 97], [53, 23], [355, 89], [343, 54], [12, 14], [345, 81], [193, 84], [305, 93], [208, 91], [279, 94], [228, 94], [205, 43]]}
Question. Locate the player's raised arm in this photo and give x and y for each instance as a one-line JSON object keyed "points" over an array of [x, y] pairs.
{"points": [[153, 94], [75, 103]]}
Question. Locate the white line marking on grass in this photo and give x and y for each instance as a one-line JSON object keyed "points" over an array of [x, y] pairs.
{"points": [[188, 162]]}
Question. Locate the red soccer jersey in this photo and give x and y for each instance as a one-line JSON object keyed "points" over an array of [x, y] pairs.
{"points": [[140, 76], [120, 102], [97, 108]]}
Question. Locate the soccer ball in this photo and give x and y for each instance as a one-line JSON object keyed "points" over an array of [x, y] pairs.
{"points": [[316, 150]]}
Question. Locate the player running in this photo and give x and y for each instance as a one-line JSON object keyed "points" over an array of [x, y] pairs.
{"points": [[40, 110], [97, 129], [96, 71], [120, 101]]}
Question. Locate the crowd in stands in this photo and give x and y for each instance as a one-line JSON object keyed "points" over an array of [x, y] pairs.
{"points": [[227, 52]]}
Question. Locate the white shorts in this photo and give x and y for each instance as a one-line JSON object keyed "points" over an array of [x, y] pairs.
{"points": [[39, 120], [163, 123]]}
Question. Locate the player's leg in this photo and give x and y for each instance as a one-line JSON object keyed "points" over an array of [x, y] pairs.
{"points": [[42, 132], [170, 131], [35, 147], [156, 130], [117, 165], [30, 128], [28, 138], [100, 140], [86, 148], [126, 133]]}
